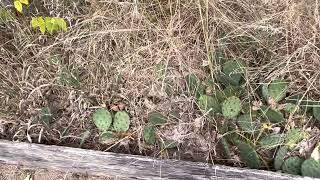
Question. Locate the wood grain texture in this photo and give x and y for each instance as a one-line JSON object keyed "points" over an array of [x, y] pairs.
{"points": [[120, 166]]}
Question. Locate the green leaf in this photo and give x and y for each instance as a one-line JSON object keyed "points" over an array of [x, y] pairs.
{"points": [[156, 118], [61, 24], [121, 121], [291, 108], [231, 107], [18, 6], [194, 86], [102, 119], [46, 115], [49, 24], [248, 154], [316, 112], [233, 91], [271, 141], [310, 168], [292, 165], [277, 90], [149, 134]]}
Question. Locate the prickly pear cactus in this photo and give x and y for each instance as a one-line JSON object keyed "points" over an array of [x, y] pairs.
{"points": [[248, 154], [208, 102], [246, 123], [156, 118], [316, 112], [107, 137], [102, 119], [233, 91], [231, 107], [224, 147], [121, 121], [149, 134], [280, 156], [291, 108], [272, 115], [234, 70], [292, 165], [271, 141], [194, 86], [277, 90], [226, 80], [311, 168], [294, 136]]}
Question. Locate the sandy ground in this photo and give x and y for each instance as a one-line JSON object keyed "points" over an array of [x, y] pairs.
{"points": [[21, 173]]}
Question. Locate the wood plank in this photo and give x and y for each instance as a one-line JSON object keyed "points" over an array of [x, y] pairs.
{"points": [[120, 166]]}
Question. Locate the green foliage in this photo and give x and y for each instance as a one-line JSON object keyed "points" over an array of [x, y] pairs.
{"points": [[233, 91], [234, 70], [304, 102], [226, 80], [149, 134], [272, 115], [18, 4], [223, 144], [102, 119], [49, 24], [291, 108], [277, 90], [292, 165], [311, 168], [231, 107], [156, 118], [207, 103], [67, 77], [248, 155], [46, 115], [121, 121], [271, 141], [246, 123], [280, 156]]}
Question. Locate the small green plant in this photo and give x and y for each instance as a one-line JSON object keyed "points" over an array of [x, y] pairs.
{"points": [[246, 123], [102, 119], [18, 4], [280, 157], [271, 141], [209, 103], [194, 85], [156, 118], [294, 136], [292, 165], [249, 155], [121, 121], [108, 137], [231, 107], [49, 24], [234, 70], [276, 90]]}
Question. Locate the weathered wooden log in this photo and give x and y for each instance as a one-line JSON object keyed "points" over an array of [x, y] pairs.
{"points": [[121, 166]]}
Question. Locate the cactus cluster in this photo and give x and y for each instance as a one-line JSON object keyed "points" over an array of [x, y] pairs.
{"points": [[102, 118]]}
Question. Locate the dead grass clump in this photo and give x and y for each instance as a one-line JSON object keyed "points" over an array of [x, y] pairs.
{"points": [[138, 52]]}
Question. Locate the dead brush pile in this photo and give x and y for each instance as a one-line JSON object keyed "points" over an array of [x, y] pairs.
{"points": [[137, 54]]}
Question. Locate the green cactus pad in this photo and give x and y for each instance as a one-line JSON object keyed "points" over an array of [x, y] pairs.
{"points": [[316, 112], [208, 102], [121, 121], [156, 118], [311, 168], [294, 136], [304, 102], [224, 147], [149, 134], [272, 115], [271, 141], [46, 115], [107, 137], [231, 107], [280, 156], [246, 123], [233, 91], [195, 88], [248, 155], [292, 165], [277, 90], [102, 119], [264, 92], [291, 108], [234, 70], [226, 80]]}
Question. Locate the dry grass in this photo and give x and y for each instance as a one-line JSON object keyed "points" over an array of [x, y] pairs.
{"points": [[138, 52]]}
